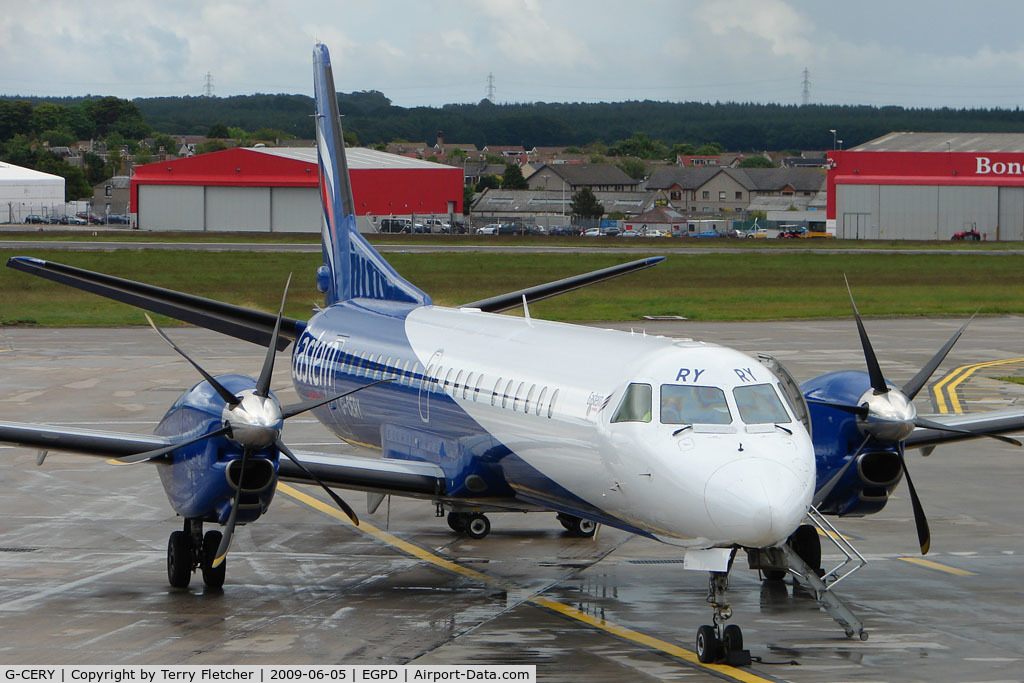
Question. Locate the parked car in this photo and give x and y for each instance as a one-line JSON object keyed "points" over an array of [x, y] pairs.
{"points": [[537, 230], [436, 225], [561, 230], [491, 229], [630, 233], [791, 232], [119, 219], [511, 229], [592, 232], [654, 233], [90, 218], [971, 234], [395, 225], [33, 219], [709, 233], [72, 220]]}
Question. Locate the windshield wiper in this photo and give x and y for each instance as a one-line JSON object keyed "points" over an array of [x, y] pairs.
{"points": [[682, 429]]}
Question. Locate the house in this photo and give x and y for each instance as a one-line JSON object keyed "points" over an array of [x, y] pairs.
{"points": [[111, 196], [574, 177], [713, 190]]}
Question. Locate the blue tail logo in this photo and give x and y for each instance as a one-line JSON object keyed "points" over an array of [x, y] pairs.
{"points": [[352, 268]]}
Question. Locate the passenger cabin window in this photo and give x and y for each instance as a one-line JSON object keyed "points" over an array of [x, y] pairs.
{"points": [[540, 399], [635, 405], [494, 394], [688, 404], [469, 382], [759, 404], [551, 406]]}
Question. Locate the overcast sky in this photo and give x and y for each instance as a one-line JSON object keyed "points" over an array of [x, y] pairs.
{"points": [[912, 53]]}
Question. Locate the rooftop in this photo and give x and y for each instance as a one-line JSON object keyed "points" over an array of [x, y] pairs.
{"points": [[944, 142], [358, 157]]}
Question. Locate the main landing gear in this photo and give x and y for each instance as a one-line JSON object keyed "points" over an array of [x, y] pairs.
{"points": [[721, 643], [476, 525], [188, 550], [473, 524]]}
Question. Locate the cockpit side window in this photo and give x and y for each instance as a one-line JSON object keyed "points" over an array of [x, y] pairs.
{"points": [[689, 404], [635, 405], [759, 404]]}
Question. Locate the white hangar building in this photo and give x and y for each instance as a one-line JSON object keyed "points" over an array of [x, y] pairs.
{"points": [[24, 191]]}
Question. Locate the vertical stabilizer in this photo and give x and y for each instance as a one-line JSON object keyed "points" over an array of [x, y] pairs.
{"points": [[352, 268]]}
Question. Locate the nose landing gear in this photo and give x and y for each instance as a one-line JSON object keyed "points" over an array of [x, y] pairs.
{"points": [[188, 550], [721, 643]]}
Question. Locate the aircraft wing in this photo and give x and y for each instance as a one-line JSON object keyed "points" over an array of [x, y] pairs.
{"points": [[376, 474], [235, 321], [504, 302], [992, 422], [84, 441], [381, 475]]}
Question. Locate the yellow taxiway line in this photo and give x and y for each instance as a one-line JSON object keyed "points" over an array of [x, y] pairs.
{"points": [[729, 672], [946, 387], [937, 567]]}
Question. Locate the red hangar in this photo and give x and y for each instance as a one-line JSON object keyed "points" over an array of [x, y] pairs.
{"points": [[929, 186]]}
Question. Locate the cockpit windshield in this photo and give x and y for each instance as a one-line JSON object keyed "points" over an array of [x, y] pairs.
{"points": [[688, 404], [635, 405], [759, 404]]}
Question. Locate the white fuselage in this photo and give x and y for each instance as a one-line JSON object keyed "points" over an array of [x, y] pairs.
{"points": [[550, 392]]}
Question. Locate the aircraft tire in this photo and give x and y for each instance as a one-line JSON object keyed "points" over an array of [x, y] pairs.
{"points": [[807, 544], [774, 574], [732, 638], [478, 526], [707, 645], [458, 521], [179, 560], [213, 577], [581, 528]]}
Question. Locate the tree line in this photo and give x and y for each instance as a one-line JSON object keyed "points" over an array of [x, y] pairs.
{"points": [[640, 129]]}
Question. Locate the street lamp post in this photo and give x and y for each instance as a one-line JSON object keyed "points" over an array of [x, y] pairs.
{"points": [[840, 143], [833, 131]]}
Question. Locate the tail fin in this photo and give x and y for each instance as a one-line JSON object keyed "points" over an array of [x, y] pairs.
{"points": [[352, 268]]}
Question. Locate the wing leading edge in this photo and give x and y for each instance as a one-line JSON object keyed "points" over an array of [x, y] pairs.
{"points": [[243, 323], [504, 302], [979, 424]]}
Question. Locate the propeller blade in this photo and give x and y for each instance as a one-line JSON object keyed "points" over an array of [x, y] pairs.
{"points": [[229, 528], [228, 397], [151, 455], [931, 424], [915, 385], [874, 369], [924, 536], [859, 411], [335, 497], [301, 407], [263, 384]]}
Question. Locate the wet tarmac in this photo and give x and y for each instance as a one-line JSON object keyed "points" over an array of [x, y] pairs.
{"points": [[82, 543]]}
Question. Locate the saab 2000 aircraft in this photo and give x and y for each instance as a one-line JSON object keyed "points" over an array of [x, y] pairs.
{"points": [[685, 442]]}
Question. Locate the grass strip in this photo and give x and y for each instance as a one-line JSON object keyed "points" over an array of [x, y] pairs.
{"points": [[732, 286]]}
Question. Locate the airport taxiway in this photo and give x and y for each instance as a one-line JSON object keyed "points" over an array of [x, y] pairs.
{"points": [[82, 542]]}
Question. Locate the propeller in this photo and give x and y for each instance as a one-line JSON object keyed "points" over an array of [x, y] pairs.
{"points": [[887, 415], [252, 419]]}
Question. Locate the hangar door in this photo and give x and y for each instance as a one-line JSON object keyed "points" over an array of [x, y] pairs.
{"points": [[171, 207], [244, 209], [295, 209], [1011, 214]]}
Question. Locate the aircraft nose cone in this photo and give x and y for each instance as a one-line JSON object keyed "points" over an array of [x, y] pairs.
{"points": [[756, 502]]}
